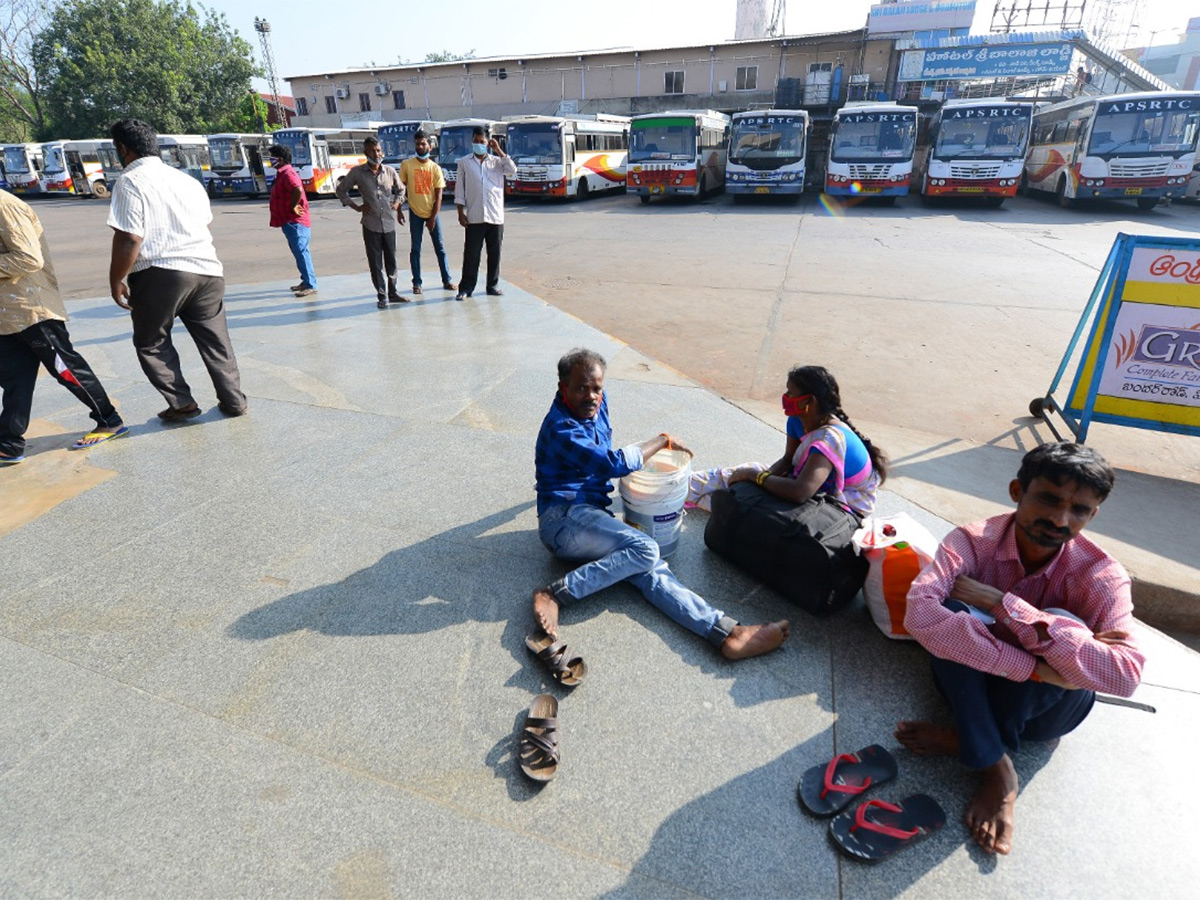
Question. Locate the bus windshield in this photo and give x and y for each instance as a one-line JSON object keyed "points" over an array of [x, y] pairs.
{"points": [[535, 142], [983, 138], [397, 144], [775, 140], [54, 163], [454, 143], [299, 143], [662, 139], [108, 158], [860, 136], [15, 160], [1148, 132], [226, 153]]}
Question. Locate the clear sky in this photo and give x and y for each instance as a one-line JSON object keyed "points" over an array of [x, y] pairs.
{"points": [[316, 36]]}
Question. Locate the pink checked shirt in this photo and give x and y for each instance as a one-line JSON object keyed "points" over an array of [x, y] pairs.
{"points": [[1081, 579]]}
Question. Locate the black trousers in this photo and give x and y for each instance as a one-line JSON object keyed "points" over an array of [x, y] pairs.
{"points": [[477, 236], [381, 258], [20, 355], [157, 297]]}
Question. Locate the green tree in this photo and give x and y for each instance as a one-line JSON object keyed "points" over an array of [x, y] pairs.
{"points": [[252, 113], [22, 115], [157, 60], [447, 56]]}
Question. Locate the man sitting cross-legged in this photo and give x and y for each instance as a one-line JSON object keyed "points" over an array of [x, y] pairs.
{"points": [[575, 463], [1025, 619]]}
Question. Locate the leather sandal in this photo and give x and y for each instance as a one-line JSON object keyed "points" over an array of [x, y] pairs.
{"points": [[539, 739], [567, 670]]}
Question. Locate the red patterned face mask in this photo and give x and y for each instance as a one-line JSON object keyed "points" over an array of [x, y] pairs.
{"points": [[791, 405]]}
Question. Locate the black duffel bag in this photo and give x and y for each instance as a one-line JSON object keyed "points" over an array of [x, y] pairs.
{"points": [[804, 551]]}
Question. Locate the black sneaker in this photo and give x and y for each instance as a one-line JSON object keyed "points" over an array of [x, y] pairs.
{"points": [[381, 302]]}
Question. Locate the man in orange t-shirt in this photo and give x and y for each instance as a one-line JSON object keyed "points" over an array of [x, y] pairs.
{"points": [[424, 181]]}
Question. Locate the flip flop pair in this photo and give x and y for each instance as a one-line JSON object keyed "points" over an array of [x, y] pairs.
{"points": [[876, 829], [93, 438]]}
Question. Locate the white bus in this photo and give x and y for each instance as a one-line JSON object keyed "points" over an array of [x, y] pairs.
{"points": [[23, 167], [73, 167], [454, 142], [187, 153], [323, 156], [871, 150], [567, 157], [1127, 146], [767, 152], [976, 149], [239, 165], [396, 138], [681, 151]]}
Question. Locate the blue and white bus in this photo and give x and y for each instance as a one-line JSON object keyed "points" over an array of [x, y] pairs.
{"points": [[871, 149], [767, 152]]}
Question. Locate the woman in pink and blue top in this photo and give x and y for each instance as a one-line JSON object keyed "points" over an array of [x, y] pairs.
{"points": [[824, 454]]}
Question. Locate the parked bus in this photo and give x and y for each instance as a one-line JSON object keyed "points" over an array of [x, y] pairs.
{"points": [[767, 152], [23, 167], [323, 156], [397, 139], [976, 149], [454, 142], [188, 153], [239, 165], [1128, 146], [680, 151], [871, 150], [73, 167], [567, 157], [3, 177]]}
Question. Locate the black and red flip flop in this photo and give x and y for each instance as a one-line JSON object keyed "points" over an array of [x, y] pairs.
{"points": [[877, 829], [825, 790]]}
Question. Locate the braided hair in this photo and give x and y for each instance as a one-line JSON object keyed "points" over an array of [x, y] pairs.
{"points": [[818, 381]]}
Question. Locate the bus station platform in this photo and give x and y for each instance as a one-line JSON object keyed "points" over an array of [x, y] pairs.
{"points": [[283, 655]]}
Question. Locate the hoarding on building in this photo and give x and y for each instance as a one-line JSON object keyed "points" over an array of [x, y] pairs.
{"points": [[986, 62], [920, 15]]}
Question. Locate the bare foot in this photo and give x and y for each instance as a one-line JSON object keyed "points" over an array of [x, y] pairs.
{"points": [[746, 641], [990, 813], [926, 739], [545, 611]]}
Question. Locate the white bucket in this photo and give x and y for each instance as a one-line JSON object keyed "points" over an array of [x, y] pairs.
{"points": [[653, 497]]}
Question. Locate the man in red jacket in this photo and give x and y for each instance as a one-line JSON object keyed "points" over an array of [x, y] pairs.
{"points": [[289, 213]]}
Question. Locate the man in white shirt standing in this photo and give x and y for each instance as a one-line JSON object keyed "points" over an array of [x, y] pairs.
{"points": [[479, 196], [164, 266]]}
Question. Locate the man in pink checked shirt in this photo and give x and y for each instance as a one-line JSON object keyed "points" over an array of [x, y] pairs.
{"points": [[1026, 619]]}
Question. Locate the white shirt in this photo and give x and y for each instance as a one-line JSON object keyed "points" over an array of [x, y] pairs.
{"points": [[169, 211], [480, 188]]}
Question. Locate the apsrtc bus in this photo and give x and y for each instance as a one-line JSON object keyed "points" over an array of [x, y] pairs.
{"points": [[239, 165], [187, 153], [871, 149], [324, 156], [454, 143], [681, 151], [566, 157], [397, 141], [73, 167], [1138, 147], [23, 167], [767, 152], [976, 148]]}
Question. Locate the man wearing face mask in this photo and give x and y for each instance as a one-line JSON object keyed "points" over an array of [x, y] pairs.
{"points": [[381, 194], [423, 182], [289, 213], [479, 196]]}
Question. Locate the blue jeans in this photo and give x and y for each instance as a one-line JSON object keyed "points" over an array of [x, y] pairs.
{"points": [[613, 551], [297, 237], [993, 715], [416, 233]]}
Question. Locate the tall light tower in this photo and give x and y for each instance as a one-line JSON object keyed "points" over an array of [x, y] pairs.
{"points": [[263, 27]]}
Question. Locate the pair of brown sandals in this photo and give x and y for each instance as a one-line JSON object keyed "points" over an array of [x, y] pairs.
{"points": [[539, 751]]}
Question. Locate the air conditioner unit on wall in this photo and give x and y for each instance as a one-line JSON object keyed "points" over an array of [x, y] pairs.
{"points": [[382, 89], [342, 93]]}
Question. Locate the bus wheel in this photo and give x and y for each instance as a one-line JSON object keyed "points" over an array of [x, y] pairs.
{"points": [[100, 189], [994, 202], [644, 198], [581, 192], [1023, 187], [1145, 204], [1061, 193], [703, 188], [887, 201]]}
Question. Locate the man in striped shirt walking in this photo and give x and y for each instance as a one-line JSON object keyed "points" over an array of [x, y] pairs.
{"points": [[164, 266], [1026, 620]]}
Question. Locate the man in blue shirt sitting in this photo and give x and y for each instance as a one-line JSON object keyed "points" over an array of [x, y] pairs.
{"points": [[575, 463]]}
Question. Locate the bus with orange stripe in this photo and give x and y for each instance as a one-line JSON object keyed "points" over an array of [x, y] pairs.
{"points": [[566, 157], [1139, 147], [322, 157], [679, 151], [976, 150], [871, 148]]}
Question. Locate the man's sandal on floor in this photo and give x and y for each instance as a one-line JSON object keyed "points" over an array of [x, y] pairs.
{"points": [[539, 739], [92, 438], [567, 670], [877, 829], [825, 790]]}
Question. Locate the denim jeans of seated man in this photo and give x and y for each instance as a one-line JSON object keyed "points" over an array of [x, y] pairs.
{"points": [[613, 551]]}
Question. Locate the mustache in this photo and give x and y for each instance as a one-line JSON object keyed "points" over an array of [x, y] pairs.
{"points": [[1045, 525]]}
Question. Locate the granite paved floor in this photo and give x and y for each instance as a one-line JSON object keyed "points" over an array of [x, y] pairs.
{"points": [[283, 655]]}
